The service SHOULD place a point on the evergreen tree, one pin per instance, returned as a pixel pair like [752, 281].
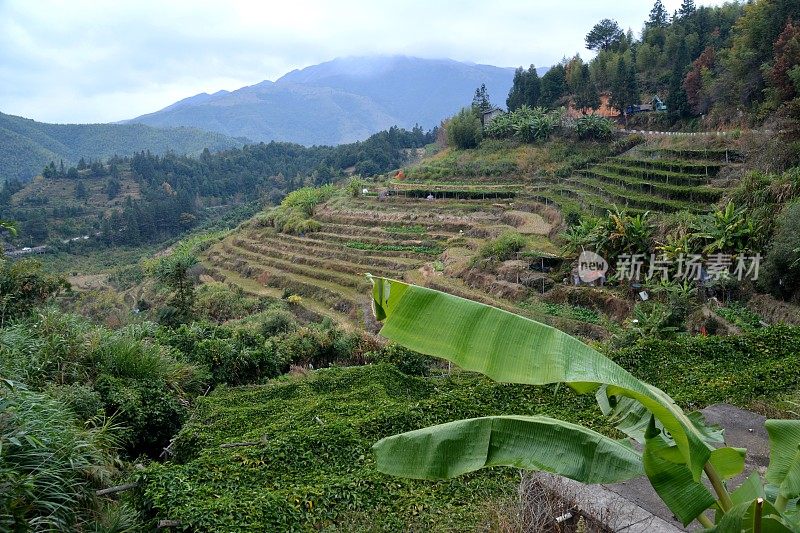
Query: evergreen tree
[481, 101]
[586, 96]
[676, 100]
[525, 89]
[80, 191]
[658, 16]
[533, 87]
[605, 35]
[687, 9]
[554, 86]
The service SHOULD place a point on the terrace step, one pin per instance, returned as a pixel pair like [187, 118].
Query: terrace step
[624, 198]
[664, 176]
[253, 287]
[341, 247]
[337, 278]
[341, 253]
[338, 297]
[327, 264]
[656, 188]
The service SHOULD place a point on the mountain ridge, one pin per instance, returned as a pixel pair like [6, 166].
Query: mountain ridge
[26, 145]
[339, 101]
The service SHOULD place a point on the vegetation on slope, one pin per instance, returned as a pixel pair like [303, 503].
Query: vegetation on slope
[28, 145]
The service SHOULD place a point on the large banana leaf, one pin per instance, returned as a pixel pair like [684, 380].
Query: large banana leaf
[784, 456]
[510, 348]
[529, 442]
[671, 479]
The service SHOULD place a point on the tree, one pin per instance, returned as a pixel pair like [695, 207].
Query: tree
[687, 9]
[676, 99]
[516, 95]
[554, 86]
[80, 191]
[586, 95]
[605, 35]
[464, 130]
[525, 89]
[174, 273]
[624, 90]
[697, 81]
[681, 455]
[785, 72]
[658, 16]
[481, 102]
[113, 188]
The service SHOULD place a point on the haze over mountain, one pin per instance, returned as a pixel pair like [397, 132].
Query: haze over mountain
[26, 146]
[339, 101]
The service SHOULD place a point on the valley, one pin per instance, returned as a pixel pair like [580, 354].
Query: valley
[353, 299]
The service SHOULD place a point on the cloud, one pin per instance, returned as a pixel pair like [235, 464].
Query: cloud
[86, 61]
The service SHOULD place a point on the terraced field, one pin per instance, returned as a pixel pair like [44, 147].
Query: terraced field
[429, 231]
[645, 179]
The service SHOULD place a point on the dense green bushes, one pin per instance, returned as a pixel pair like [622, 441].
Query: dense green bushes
[503, 247]
[761, 364]
[294, 213]
[311, 466]
[464, 130]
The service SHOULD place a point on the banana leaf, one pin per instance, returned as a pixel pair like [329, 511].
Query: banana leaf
[784, 456]
[510, 348]
[528, 442]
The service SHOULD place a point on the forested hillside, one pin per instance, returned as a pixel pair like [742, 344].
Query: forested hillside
[26, 146]
[148, 197]
[736, 64]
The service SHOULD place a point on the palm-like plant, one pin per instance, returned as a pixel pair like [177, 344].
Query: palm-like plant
[577, 237]
[679, 450]
[727, 230]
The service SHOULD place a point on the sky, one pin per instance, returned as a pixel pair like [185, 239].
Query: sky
[85, 61]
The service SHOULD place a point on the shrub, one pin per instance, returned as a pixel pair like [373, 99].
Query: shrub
[407, 361]
[23, 286]
[781, 271]
[594, 127]
[277, 322]
[219, 302]
[503, 247]
[84, 401]
[149, 413]
[464, 130]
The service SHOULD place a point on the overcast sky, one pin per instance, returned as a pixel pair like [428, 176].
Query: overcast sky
[101, 61]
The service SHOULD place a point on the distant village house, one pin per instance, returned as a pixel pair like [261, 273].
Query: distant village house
[489, 115]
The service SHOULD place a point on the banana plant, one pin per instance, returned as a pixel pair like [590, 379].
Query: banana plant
[681, 455]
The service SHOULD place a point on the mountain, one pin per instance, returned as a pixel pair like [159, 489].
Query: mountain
[26, 146]
[339, 101]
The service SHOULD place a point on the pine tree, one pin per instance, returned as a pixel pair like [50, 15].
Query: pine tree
[658, 16]
[516, 96]
[481, 101]
[554, 86]
[687, 9]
